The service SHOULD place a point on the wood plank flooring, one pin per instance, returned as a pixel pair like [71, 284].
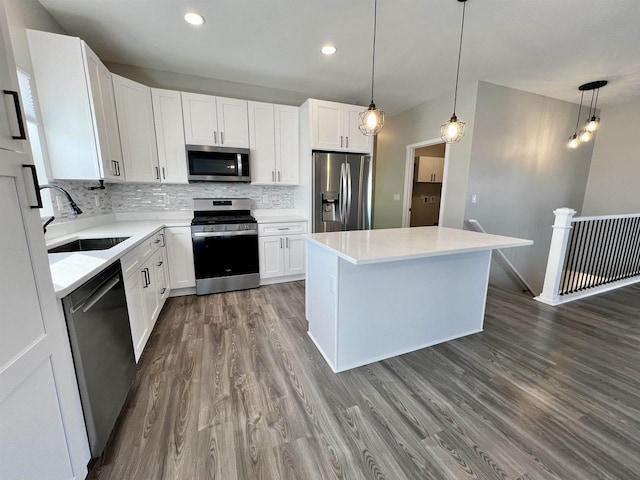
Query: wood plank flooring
[230, 387]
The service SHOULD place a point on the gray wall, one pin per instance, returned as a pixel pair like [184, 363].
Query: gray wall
[211, 86]
[420, 124]
[521, 170]
[614, 178]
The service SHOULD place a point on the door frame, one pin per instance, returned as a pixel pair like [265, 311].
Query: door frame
[408, 178]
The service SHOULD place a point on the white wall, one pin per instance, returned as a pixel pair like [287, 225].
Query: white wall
[419, 124]
[522, 170]
[614, 178]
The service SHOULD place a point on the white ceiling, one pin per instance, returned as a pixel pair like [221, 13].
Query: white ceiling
[542, 46]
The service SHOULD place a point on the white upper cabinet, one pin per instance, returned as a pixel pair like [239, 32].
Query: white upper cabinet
[287, 144]
[13, 130]
[233, 124]
[167, 116]
[135, 122]
[215, 121]
[430, 169]
[273, 141]
[76, 101]
[334, 126]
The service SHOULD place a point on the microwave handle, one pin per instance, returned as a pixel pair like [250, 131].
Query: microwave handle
[239, 162]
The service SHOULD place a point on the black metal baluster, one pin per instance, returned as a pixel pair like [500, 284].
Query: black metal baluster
[595, 252]
[634, 253]
[585, 257]
[624, 251]
[606, 247]
[567, 259]
[576, 260]
[614, 250]
[588, 270]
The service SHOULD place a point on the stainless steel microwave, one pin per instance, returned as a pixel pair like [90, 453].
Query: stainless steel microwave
[217, 164]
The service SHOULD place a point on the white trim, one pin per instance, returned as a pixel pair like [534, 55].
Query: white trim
[605, 217]
[560, 299]
[408, 178]
[286, 278]
[378, 358]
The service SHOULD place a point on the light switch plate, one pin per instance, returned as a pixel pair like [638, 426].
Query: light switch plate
[396, 197]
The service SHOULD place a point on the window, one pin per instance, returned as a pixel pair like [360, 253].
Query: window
[36, 138]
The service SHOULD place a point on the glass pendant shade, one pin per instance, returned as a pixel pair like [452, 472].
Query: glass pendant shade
[585, 135]
[593, 124]
[371, 120]
[453, 130]
[574, 141]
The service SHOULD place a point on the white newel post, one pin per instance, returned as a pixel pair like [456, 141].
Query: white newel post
[557, 250]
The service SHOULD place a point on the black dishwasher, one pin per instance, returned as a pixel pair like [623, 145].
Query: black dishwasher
[100, 336]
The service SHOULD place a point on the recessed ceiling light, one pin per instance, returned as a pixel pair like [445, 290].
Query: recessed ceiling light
[194, 18]
[328, 49]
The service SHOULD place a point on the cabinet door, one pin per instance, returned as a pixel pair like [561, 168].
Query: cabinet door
[165, 289]
[438, 169]
[200, 119]
[11, 119]
[60, 75]
[233, 122]
[180, 257]
[167, 117]
[137, 133]
[160, 284]
[140, 329]
[271, 256]
[355, 141]
[261, 143]
[150, 292]
[326, 125]
[286, 145]
[38, 390]
[294, 258]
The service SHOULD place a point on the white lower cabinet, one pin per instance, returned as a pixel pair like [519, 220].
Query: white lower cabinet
[146, 288]
[282, 253]
[180, 257]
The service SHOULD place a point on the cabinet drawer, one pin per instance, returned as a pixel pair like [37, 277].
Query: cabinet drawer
[282, 228]
[130, 263]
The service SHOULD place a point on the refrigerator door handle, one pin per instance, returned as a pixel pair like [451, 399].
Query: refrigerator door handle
[349, 193]
[343, 192]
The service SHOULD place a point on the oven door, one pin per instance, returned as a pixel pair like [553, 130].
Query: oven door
[224, 254]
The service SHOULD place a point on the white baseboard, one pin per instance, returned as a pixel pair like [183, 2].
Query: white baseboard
[289, 278]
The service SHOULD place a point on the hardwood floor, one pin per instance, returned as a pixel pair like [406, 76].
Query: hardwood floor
[230, 387]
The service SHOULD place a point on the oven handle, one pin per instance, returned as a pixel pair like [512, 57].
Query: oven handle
[224, 234]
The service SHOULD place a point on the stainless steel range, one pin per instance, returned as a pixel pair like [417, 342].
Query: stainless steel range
[225, 245]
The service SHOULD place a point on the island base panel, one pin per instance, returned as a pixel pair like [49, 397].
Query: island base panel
[387, 309]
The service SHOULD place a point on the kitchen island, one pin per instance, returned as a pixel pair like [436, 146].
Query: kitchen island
[375, 294]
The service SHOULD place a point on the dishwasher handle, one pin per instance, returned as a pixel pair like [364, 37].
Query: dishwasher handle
[97, 295]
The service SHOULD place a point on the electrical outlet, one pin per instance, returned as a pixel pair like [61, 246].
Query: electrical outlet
[59, 203]
[474, 198]
[265, 198]
[425, 199]
[396, 197]
[96, 198]
[434, 199]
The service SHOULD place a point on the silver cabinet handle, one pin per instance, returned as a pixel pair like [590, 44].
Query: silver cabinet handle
[164, 242]
[144, 278]
[163, 290]
[347, 145]
[118, 165]
[283, 228]
[22, 135]
[286, 239]
[273, 175]
[215, 137]
[164, 175]
[159, 264]
[279, 176]
[341, 141]
[280, 242]
[36, 187]
[221, 138]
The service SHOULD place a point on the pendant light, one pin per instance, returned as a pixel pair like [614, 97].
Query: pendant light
[574, 140]
[453, 130]
[371, 120]
[593, 121]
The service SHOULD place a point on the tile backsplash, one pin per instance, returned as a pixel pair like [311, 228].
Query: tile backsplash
[119, 197]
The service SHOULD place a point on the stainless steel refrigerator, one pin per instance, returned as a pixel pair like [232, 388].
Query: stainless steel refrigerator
[342, 192]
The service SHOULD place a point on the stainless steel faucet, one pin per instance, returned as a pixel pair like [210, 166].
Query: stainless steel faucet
[75, 210]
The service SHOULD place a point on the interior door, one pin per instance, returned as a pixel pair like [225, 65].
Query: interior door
[39, 402]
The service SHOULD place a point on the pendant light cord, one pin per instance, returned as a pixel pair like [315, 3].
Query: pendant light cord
[593, 93]
[373, 61]
[455, 95]
[579, 111]
[596, 104]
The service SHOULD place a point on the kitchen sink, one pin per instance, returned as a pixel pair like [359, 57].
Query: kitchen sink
[86, 244]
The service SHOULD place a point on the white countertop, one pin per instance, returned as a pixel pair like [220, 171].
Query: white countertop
[70, 270]
[378, 246]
